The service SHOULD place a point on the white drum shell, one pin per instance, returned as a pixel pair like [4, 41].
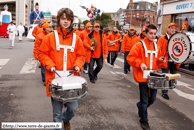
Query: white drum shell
[155, 82]
[68, 89]
[191, 57]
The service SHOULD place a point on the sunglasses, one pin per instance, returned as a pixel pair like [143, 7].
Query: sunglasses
[97, 27]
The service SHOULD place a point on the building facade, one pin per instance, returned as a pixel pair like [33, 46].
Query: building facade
[138, 14]
[20, 10]
[141, 12]
[180, 12]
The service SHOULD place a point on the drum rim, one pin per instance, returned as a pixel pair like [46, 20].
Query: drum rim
[189, 43]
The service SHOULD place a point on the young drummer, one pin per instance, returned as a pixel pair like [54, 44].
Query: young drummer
[51, 55]
[170, 65]
[140, 60]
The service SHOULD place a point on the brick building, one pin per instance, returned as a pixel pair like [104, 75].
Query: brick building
[138, 13]
[180, 12]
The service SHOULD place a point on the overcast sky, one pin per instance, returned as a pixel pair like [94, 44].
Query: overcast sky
[103, 5]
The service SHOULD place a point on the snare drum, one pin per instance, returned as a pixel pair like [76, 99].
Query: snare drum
[68, 89]
[181, 47]
[159, 81]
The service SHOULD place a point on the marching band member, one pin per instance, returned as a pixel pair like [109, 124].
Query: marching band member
[128, 41]
[51, 56]
[142, 35]
[39, 38]
[113, 41]
[81, 28]
[11, 31]
[83, 35]
[20, 29]
[140, 60]
[40, 30]
[97, 55]
[169, 65]
[36, 28]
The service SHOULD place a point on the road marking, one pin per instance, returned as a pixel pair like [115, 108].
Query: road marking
[29, 66]
[184, 85]
[112, 72]
[3, 62]
[119, 59]
[185, 95]
[115, 66]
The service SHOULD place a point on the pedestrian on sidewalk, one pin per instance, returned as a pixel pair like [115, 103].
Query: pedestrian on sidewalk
[128, 42]
[169, 65]
[95, 54]
[20, 30]
[11, 31]
[113, 45]
[53, 59]
[47, 28]
[140, 60]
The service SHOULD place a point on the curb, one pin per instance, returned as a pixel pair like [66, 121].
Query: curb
[186, 71]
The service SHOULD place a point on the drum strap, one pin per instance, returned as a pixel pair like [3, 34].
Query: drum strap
[65, 47]
[151, 52]
[167, 36]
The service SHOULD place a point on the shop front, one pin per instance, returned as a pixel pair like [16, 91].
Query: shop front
[179, 12]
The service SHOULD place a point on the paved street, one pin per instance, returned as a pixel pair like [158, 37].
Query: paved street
[109, 105]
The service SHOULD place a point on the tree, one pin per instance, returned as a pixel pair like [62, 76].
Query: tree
[85, 22]
[104, 20]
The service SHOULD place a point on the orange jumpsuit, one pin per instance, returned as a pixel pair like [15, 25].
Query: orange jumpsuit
[79, 31]
[128, 42]
[163, 43]
[49, 56]
[38, 41]
[34, 32]
[137, 56]
[97, 52]
[140, 37]
[112, 37]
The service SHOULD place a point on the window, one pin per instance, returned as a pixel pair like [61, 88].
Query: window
[153, 20]
[185, 22]
[148, 18]
[137, 6]
[148, 6]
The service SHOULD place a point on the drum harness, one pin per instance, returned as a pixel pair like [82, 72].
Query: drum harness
[65, 47]
[151, 55]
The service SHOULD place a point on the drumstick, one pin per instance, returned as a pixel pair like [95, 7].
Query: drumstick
[173, 76]
[57, 73]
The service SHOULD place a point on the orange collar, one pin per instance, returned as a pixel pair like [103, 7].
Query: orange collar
[147, 41]
[63, 32]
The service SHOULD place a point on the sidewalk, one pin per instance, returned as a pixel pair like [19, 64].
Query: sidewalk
[187, 71]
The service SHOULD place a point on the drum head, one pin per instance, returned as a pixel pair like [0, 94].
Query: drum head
[94, 43]
[179, 47]
[71, 82]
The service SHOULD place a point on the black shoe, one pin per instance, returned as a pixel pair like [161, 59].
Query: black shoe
[138, 112]
[145, 126]
[125, 72]
[95, 77]
[165, 96]
[129, 70]
[92, 81]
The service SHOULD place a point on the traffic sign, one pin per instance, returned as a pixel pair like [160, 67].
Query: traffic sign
[123, 17]
[47, 13]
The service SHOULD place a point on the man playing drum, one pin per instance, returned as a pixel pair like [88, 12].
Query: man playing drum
[52, 57]
[169, 65]
[140, 59]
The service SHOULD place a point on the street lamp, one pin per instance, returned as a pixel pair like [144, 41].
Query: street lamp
[142, 20]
